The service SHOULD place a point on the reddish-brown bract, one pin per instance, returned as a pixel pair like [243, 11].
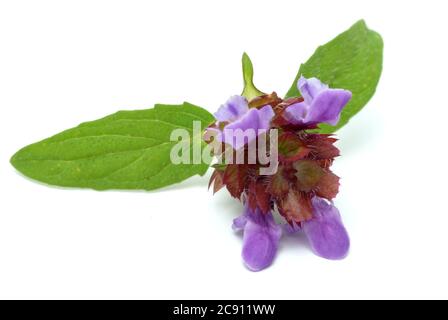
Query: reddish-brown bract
[304, 171]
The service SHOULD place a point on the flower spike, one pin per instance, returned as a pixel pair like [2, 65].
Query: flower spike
[303, 186]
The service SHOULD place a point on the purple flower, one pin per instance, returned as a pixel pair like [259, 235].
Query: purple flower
[234, 108]
[290, 190]
[260, 238]
[236, 116]
[325, 232]
[321, 104]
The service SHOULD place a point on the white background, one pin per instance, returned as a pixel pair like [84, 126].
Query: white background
[65, 62]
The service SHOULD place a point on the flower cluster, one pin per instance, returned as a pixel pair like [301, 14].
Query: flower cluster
[303, 187]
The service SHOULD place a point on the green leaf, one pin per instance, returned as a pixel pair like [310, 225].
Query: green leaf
[352, 61]
[249, 91]
[126, 150]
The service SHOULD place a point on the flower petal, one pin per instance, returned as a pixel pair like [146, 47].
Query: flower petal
[297, 112]
[321, 104]
[265, 116]
[325, 232]
[310, 88]
[260, 239]
[233, 109]
[239, 223]
[249, 126]
[327, 106]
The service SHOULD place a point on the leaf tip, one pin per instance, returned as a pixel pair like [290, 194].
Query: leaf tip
[248, 69]
[13, 160]
[250, 91]
[363, 25]
[361, 22]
